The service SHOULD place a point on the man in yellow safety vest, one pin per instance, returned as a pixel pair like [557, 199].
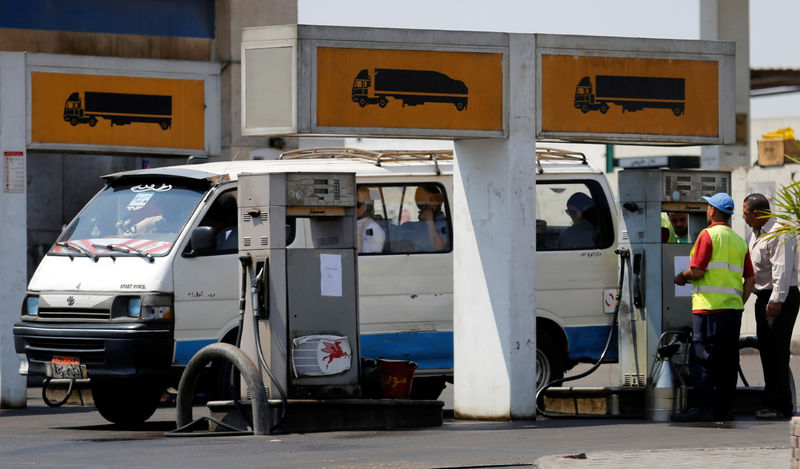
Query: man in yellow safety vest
[722, 278]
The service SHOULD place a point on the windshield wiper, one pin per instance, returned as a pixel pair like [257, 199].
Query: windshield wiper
[125, 249]
[77, 248]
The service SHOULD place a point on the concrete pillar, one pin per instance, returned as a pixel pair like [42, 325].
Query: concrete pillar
[13, 241]
[494, 258]
[728, 20]
[231, 17]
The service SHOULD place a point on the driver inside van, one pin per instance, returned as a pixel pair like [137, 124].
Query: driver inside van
[580, 235]
[370, 235]
[222, 217]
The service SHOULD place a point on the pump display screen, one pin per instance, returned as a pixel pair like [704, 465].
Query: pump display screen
[313, 190]
[692, 186]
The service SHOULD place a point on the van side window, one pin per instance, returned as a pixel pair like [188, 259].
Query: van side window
[411, 219]
[222, 216]
[572, 215]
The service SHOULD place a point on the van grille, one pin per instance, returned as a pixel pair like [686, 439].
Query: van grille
[74, 313]
[43, 349]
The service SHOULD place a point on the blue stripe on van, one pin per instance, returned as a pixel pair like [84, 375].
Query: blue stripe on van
[430, 350]
[434, 350]
[185, 350]
[181, 18]
[588, 342]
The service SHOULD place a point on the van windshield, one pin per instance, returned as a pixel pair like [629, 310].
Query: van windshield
[131, 218]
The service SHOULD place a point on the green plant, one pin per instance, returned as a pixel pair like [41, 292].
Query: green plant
[786, 208]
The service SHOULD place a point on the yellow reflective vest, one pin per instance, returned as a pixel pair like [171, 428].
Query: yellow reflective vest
[721, 285]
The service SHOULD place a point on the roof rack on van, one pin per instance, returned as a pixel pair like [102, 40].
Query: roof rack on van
[375, 156]
[556, 155]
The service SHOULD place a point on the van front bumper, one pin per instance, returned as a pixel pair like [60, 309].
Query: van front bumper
[115, 350]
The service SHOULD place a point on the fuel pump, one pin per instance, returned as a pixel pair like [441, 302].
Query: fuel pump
[305, 298]
[658, 308]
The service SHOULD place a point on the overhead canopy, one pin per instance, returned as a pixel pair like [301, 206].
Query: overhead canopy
[349, 81]
[767, 81]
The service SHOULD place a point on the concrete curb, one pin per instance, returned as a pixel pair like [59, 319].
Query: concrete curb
[672, 458]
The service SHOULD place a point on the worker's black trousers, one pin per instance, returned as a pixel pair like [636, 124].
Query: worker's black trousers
[773, 343]
[714, 361]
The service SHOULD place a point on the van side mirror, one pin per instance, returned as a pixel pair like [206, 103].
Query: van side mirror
[204, 239]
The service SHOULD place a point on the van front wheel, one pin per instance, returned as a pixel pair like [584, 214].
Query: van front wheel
[549, 361]
[126, 401]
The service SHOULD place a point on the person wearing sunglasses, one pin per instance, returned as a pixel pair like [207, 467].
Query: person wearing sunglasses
[580, 235]
[370, 234]
[435, 236]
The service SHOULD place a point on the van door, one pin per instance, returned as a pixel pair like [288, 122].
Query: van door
[207, 282]
[406, 287]
[575, 260]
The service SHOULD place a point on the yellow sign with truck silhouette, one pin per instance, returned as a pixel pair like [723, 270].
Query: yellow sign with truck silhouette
[625, 95]
[383, 88]
[117, 110]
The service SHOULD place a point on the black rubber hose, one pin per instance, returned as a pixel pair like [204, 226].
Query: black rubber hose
[245, 366]
[624, 254]
[284, 401]
[247, 264]
[47, 400]
[245, 261]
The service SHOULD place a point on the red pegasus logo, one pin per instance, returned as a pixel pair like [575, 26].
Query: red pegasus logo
[334, 351]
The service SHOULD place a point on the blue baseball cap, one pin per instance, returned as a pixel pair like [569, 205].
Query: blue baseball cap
[721, 201]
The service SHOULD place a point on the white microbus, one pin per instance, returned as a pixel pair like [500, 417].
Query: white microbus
[123, 294]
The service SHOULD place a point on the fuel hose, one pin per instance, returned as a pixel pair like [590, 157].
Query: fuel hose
[246, 260]
[624, 255]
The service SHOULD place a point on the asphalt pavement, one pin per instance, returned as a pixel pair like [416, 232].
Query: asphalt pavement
[78, 437]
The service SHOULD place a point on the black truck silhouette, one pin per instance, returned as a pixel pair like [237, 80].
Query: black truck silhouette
[413, 87]
[119, 108]
[632, 93]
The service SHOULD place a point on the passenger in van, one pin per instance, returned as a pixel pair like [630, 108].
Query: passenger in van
[371, 236]
[435, 235]
[580, 235]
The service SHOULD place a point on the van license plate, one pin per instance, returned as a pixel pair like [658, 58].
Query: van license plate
[66, 367]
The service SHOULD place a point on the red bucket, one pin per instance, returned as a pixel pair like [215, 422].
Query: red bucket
[396, 378]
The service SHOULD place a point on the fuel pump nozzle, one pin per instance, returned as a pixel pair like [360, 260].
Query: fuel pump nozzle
[256, 286]
[624, 254]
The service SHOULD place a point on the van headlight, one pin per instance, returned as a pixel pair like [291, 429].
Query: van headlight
[30, 306]
[156, 312]
[145, 307]
[134, 307]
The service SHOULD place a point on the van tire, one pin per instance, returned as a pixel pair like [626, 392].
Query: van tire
[219, 376]
[549, 360]
[427, 388]
[126, 402]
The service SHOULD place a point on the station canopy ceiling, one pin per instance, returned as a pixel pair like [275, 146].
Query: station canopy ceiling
[770, 81]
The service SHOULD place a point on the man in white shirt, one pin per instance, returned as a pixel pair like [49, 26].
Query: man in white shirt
[777, 301]
[370, 235]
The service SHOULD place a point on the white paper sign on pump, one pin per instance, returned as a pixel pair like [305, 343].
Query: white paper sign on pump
[330, 270]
